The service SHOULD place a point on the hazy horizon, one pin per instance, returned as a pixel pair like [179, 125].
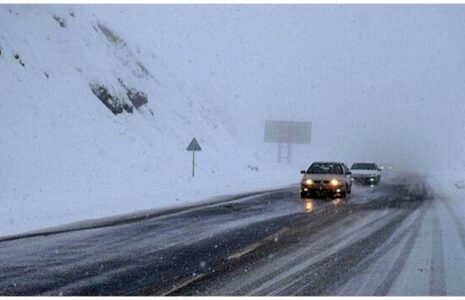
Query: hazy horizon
[380, 82]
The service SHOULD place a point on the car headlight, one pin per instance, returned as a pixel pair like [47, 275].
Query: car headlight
[308, 182]
[334, 182]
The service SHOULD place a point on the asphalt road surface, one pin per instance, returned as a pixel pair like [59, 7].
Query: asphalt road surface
[271, 243]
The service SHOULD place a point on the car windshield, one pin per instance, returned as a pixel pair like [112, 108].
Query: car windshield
[325, 168]
[364, 166]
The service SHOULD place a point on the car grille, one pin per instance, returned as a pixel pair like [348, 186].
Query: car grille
[320, 181]
[362, 176]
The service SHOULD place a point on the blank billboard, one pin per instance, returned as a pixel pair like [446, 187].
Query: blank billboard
[288, 132]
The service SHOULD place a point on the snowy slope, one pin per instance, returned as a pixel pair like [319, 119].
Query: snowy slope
[66, 157]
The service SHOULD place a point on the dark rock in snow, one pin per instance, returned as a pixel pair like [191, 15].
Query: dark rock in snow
[60, 20]
[460, 184]
[253, 168]
[143, 68]
[114, 104]
[110, 35]
[137, 98]
[128, 108]
[16, 56]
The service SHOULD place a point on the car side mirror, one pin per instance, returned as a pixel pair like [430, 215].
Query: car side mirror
[303, 172]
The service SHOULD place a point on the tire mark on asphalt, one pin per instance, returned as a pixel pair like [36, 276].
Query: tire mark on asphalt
[319, 221]
[342, 262]
[298, 260]
[381, 251]
[351, 256]
[437, 283]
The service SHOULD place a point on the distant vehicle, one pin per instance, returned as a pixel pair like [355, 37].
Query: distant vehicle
[386, 168]
[366, 173]
[326, 178]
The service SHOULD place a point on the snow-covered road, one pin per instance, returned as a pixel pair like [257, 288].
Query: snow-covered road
[403, 237]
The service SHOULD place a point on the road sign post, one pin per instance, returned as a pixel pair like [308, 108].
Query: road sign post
[193, 146]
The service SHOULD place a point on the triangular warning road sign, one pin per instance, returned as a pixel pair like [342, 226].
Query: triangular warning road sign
[194, 146]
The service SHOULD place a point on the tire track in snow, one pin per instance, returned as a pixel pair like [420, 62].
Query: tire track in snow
[310, 282]
[318, 276]
[398, 266]
[456, 220]
[265, 281]
[340, 264]
[437, 283]
[382, 250]
[322, 220]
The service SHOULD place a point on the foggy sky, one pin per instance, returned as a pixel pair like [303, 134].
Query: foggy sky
[379, 82]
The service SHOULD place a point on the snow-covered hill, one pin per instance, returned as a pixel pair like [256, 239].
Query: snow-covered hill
[91, 126]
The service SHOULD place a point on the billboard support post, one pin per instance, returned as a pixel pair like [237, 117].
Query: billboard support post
[287, 133]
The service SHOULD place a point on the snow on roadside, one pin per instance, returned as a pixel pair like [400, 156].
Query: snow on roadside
[20, 216]
[437, 258]
[65, 157]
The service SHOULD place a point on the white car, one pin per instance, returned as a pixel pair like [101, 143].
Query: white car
[366, 173]
[326, 178]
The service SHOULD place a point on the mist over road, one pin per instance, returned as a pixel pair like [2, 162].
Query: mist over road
[272, 243]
